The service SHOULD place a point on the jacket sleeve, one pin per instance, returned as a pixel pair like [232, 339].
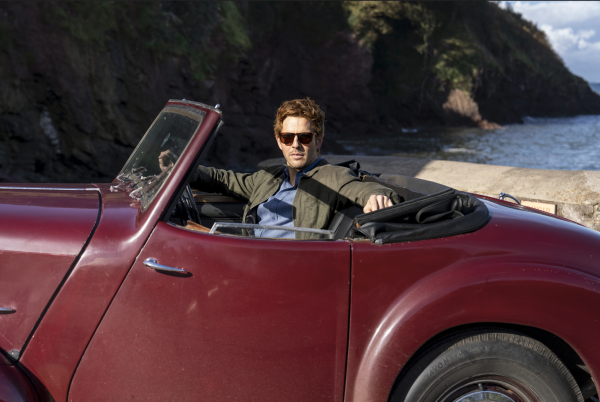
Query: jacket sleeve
[212, 180]
[358, 192]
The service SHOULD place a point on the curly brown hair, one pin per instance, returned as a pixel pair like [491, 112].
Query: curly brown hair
[306, 108]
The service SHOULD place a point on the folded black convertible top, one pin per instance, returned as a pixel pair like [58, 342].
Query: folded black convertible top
[448, 214]
[429, 210]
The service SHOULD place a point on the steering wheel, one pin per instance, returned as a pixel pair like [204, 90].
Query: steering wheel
[187, 203]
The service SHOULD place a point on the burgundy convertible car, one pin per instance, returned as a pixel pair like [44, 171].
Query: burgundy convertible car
[145, 289]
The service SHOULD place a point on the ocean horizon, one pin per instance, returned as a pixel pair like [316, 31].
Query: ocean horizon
[562, 143]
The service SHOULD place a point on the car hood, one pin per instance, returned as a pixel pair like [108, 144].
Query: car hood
[43, 229]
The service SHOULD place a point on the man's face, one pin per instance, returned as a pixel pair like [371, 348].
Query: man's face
[298, 155]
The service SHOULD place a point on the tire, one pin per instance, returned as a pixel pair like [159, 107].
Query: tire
[488, 366]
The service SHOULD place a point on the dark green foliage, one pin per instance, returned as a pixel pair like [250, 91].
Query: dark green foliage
[87, 21]
[311, 22]
[234, 25]
[5, 38]
[419, 48]
[431, 46]
[182, 29]
[178, 28]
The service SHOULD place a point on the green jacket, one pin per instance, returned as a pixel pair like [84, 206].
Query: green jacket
[321, 192]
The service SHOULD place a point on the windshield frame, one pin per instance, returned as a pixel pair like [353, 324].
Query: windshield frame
[195, 114]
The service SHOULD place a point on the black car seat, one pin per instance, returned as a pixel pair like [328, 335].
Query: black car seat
[342, 221]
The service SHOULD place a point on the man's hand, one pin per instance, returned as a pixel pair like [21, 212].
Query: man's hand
[164, 160]
[377, 202]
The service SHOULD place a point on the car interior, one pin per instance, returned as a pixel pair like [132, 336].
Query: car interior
[428, 210]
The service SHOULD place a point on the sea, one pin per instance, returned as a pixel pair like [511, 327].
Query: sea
[565, 143]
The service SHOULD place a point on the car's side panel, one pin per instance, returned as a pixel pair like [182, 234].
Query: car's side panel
[54, 351]
[256, 320]
[514, 270]
[43, 231]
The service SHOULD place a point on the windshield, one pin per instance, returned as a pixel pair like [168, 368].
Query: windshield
[157, 154]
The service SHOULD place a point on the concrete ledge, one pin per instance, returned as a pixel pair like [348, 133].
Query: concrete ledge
[575, 193]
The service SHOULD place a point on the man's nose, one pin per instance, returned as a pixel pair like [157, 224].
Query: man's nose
[296, 143]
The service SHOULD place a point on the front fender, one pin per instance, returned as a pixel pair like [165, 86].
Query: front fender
[557, 299]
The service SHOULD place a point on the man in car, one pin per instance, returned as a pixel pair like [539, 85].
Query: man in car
[305, 193]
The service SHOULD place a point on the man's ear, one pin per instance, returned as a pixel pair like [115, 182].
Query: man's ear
[279, 143]
[319, 142]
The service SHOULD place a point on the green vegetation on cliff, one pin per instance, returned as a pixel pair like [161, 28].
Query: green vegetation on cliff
[80, 82]
[183, 29]
[419, 48]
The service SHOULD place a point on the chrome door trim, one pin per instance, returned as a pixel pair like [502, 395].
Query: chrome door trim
[50, 188]
[216, 225]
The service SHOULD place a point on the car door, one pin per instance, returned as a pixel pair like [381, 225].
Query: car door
[251, 319]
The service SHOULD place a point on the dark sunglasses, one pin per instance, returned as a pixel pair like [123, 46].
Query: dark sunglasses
[303, 138]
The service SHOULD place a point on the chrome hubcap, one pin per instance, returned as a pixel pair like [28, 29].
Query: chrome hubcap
[484, 396]
[488, 389]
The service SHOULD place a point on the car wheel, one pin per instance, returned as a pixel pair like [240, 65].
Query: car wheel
[490, 366]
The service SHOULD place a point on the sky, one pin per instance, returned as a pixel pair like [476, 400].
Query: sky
[573, 28]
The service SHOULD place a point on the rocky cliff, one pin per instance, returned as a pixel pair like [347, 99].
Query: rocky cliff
[80, 82]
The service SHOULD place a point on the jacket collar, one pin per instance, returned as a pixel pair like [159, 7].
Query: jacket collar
[277, 176]
[319, 165]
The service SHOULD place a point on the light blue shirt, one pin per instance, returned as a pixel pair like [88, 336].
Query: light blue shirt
[277, 210]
